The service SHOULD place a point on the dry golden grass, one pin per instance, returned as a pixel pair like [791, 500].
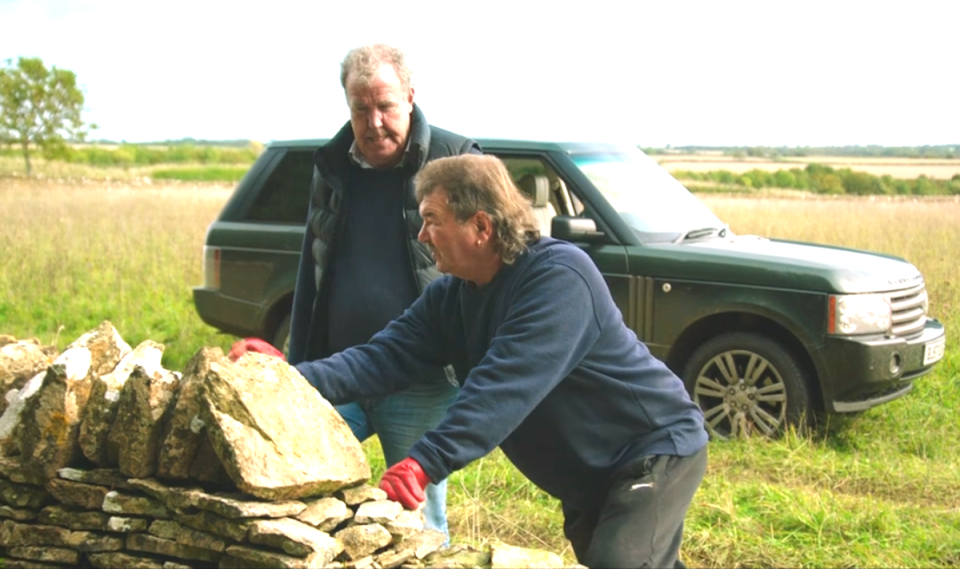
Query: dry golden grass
[79, 252]
[903, 168]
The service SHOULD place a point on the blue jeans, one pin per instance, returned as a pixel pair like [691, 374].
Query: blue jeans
[400, 420]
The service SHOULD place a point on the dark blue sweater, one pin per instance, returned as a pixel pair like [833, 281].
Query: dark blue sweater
[552, 376]
[373, 282]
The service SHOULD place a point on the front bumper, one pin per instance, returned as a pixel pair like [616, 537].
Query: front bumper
[867, 371]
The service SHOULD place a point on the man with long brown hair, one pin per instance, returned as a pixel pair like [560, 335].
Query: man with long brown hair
[548, 371]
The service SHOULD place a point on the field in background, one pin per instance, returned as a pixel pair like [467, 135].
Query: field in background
[126, 251]
[881, 489]
[904, 168]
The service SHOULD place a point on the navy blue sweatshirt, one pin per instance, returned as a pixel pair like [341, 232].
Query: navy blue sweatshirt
[550, 374]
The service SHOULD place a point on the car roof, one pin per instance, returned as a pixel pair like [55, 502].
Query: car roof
[491, 144]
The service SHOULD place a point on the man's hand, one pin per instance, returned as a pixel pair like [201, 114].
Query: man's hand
[404, 482]
[245, 345]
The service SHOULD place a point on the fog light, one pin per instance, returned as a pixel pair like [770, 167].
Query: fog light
[895, 363]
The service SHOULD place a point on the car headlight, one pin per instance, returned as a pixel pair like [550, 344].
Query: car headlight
[859, 314]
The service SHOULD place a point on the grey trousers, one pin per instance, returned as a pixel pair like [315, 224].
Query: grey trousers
[640, 523]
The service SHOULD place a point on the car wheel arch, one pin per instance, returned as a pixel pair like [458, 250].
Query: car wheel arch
[710, 327]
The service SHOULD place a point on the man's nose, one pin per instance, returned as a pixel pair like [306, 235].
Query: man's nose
[376, 118]
[422, 236]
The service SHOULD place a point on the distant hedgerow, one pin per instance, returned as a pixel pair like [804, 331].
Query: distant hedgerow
[823, 179]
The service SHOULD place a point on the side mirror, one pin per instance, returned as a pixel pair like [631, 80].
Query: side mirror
[575, 229]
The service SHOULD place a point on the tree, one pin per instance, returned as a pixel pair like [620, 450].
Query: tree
[39, 106]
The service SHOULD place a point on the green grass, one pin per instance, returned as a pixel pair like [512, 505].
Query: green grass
[880, 489]
[74, 256]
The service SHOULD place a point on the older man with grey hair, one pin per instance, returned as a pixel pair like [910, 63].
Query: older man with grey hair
[361, 265]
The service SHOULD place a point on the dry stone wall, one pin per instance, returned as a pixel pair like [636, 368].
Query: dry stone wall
[109, 460]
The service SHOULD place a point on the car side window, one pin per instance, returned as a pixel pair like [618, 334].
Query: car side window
[285, 195]
[561, 200]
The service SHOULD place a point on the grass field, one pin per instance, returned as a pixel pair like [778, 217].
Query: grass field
[904, 168]
[881, 489]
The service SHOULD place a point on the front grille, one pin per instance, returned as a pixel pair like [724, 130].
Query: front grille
[909, 310]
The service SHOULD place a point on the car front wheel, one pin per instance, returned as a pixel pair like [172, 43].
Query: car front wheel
[746, 384]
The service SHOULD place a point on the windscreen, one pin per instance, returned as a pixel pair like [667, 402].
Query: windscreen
[646, 196]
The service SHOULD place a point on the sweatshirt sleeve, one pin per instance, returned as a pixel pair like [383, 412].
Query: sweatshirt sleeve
[408, 349]
[550, 325]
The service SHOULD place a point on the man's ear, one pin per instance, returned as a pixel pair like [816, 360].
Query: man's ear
[483, 224]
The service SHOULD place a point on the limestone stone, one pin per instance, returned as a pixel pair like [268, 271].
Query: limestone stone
[166, 529]
[362, 563]
[87, 496]
[390, 558]
[378, 512]
[119, 560]
[14, 534]
[503, 556]
[46, 554]
[120, 524]
[12, 417]
[356, 495]
[294, 538]
[150, 544]
[173, 497]
[93, 541]
[18, 514]
[175, 565]
[47, 436]
[106, 347]
[13, 563]
[235, 505]
[184, 431]
[325, 514]
[362, 540]
[50, 422]
[19, 361]
[144, 401]
[107, 477]
[231, 505]
[423, 543]
[212, 523]
[244, 557]
[118, 503]
[59, 515]
[407, 523]
[263, 420]
[206, 465]
[458, 557]
[101, 409]
[200, 539]
[23, 495]
[12, 470]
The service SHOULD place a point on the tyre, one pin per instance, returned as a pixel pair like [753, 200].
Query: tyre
[747, 384]
[281, 338]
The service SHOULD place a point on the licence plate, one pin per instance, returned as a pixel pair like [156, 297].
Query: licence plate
[934, 352]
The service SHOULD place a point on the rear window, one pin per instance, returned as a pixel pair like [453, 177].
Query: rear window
[286, 194]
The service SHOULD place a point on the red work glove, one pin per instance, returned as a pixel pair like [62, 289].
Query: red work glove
[404, 482]
[245, 345]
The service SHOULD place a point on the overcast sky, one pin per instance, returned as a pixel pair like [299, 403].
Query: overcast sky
[718, 73]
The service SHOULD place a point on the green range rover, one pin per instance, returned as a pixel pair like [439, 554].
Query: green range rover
[765, 333]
